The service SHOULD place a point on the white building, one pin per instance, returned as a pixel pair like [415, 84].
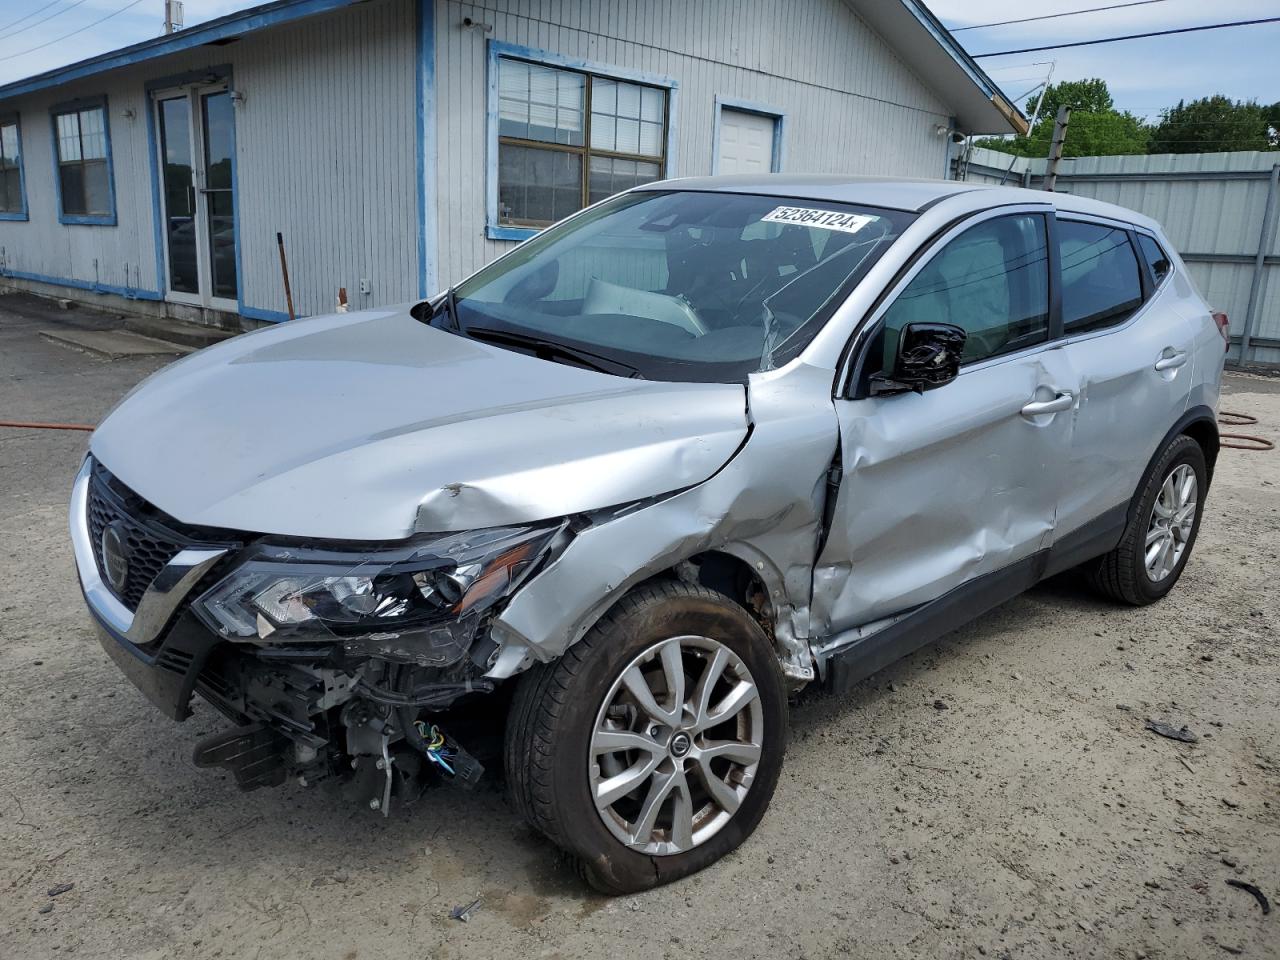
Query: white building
[397, 145]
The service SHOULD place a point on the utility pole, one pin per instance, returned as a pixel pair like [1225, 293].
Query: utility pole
[1035, 116]
[1055, 147]
[172, 16]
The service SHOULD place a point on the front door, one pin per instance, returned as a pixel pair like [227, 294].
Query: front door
[196, 142]
[949, 485]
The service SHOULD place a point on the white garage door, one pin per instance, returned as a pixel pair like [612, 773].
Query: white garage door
[746, 142]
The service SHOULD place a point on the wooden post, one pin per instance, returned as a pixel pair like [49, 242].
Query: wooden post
[284, 269]
[1055, 147]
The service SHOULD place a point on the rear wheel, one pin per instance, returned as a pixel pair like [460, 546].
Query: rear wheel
[1157, 543]
[653, 746]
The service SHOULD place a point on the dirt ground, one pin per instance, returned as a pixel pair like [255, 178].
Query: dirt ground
[995, 795]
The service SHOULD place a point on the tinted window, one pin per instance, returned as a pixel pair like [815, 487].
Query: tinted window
[992, 280]
[1156, 258]
[682, 285]
[1101, 285]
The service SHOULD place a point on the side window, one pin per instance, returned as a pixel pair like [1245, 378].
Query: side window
[84, 169]
[1101, 285]
[567, 139]
[1159, 262]
[992, 280]
[11, 198]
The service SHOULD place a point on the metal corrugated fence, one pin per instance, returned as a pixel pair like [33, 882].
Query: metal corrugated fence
[1220, 210]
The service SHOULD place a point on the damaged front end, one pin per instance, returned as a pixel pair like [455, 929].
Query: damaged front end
[333, 660]
[341, 653]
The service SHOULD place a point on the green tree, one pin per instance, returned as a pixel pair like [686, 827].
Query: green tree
[1217, 123]
[1082, 96]
[1096, 127]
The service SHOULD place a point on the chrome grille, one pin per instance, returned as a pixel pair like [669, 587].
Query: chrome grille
[149, 543]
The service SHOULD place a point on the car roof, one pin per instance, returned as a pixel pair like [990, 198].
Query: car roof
[893, 193]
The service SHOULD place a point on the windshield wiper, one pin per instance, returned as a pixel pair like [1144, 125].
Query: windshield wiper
[449, 303]
[551, 350]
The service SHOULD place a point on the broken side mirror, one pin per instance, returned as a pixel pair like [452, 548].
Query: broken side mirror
[928, 357]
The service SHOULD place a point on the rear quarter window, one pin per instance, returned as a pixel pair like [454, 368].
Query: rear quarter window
[1101, 280]
[1159, 262]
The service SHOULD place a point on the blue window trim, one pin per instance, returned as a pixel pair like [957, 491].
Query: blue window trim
[129, 293]
[71, 106]
[24, 213]
[777, 115]
[497, 50]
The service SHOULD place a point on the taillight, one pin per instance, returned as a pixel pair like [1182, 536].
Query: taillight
[1220, 319]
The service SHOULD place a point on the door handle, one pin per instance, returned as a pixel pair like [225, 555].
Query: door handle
[1172, 362]
[1036, 408]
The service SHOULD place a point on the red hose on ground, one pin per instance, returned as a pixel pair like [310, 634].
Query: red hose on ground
[20, 425]
[1241, 441]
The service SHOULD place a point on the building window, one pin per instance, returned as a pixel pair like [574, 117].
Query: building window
[569, 137]
[13, 203]
[84, 164]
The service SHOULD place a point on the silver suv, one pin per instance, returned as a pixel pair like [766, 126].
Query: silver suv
[697, 446]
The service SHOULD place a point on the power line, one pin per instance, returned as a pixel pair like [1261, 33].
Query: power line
[14, 23]
[32, 26]
[1052, 16]
[1131, 36]
[87, 26]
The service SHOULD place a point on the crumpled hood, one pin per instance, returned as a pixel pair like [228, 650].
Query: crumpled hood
[373, 426]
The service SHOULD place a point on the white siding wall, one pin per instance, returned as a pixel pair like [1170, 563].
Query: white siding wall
[120, 256]
[325, 151]
[852, 105]
[326, 140]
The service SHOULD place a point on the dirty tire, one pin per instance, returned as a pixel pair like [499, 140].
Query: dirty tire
[1121, 575]
[553, 717]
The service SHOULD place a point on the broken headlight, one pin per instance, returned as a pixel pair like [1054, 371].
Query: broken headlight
[419, 603]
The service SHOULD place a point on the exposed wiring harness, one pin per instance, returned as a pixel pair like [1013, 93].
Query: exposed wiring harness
[438, 695]
[428, 739]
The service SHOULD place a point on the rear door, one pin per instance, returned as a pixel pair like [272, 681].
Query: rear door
[940, 488]
[1122, 330]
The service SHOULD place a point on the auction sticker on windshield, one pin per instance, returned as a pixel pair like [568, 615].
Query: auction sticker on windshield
[825, 219]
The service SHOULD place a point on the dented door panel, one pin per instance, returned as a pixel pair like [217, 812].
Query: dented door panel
[1126, 406]
[942, 487]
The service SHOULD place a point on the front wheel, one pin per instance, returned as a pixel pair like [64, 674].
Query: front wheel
[653, 746]
[1162, 530]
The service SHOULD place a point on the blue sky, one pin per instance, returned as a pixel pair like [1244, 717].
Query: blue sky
[1144, 75]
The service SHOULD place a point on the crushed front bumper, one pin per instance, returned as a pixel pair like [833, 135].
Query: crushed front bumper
[167, 672]
[295, 707]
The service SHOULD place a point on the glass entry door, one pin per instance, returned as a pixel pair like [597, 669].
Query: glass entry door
[196, 128]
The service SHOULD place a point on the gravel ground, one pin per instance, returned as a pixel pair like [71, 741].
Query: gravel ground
[994, 795]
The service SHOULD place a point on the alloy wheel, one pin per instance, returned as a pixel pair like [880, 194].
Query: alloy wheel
[676, 745]
[1173, 517]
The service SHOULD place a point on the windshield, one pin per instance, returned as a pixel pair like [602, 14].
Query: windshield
[678, 285]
